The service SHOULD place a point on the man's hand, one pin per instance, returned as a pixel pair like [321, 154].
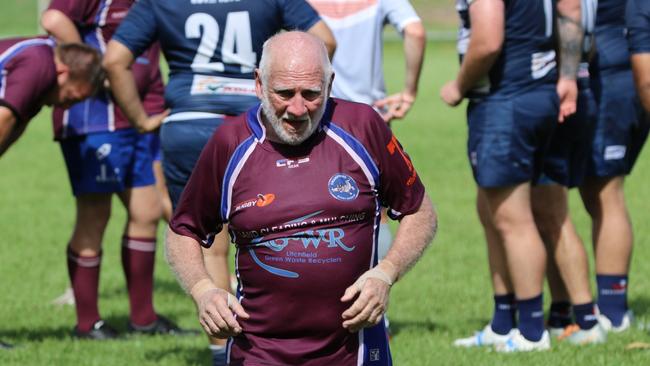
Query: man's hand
[215, 308]
[372, 289]
[450, 93]
[567, 91]
[152, 123]
[396, 106]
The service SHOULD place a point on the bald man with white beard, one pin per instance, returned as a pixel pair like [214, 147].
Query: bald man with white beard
[300, 180]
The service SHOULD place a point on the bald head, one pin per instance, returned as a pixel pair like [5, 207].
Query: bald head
[297, 51]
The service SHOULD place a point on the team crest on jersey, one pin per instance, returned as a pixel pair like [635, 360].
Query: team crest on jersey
[343, 187]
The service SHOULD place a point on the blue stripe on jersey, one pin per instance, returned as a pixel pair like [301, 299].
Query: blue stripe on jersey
[237, 160]
[359, 149]
[374, 341]
[21, 46]
[100, 9]
[254, 124]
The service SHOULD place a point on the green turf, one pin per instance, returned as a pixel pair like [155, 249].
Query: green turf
[447, 295]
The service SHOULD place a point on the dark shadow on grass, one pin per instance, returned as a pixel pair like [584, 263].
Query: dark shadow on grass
[420, 326]
[640, 305]
[160, 286]
[189, 355]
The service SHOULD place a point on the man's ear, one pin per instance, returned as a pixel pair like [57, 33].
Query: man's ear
[62, 72]
[258, 84]
[329, 87]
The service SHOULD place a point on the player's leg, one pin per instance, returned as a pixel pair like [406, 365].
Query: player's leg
[161, 187]
[620, 134]
[505, 309]
[93, 169]
[612, 240]
[144, 209]
[550, 206]
[525, 253]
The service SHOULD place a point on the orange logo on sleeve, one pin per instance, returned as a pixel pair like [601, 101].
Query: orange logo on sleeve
[394, 146]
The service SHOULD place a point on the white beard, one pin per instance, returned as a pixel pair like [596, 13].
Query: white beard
[309, 124]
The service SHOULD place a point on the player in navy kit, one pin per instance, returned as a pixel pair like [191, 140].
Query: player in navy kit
[620, 134]
[36, 72]
[105, 155]
[508, 72]
[309, 227]
[565, 164]
[212, 50]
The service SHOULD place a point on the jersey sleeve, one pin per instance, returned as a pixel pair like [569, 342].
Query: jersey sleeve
[138, 30]
[400, 188]
[298, 14]
[638, 26]
[399, 13]
[198, 213]
[81, 12]
[30, 76]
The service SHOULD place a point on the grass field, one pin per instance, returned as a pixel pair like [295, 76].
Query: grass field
[447, 295]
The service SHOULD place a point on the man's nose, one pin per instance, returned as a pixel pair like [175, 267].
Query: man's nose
[297, 106]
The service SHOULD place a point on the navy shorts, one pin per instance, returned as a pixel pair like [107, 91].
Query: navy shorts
[567, 157]
[508, 137]
[182, 142]
[108, 162]
[621, 129]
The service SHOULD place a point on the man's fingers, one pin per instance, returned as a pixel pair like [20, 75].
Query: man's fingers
[357, 307]
[238, 309]
[350, 293]
[208, 324]
[358, 321]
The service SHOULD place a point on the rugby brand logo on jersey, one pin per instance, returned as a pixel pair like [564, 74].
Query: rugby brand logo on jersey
[290, 163]
[260, 201]
[343, 187]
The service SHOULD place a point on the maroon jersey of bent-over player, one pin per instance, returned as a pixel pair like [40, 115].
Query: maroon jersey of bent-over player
[305, 222]
[96, 21]
[27, 74]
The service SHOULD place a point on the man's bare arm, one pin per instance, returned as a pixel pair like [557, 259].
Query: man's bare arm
[322, 31]
[570, 35]
[8, 133]
[397, 105]
[59, 26]
[215, 306]
[117, 62]
[641, 69]
[415, 233]
[486, 41]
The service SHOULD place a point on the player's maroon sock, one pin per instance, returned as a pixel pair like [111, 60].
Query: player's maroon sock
[138, 258]
[84, 277]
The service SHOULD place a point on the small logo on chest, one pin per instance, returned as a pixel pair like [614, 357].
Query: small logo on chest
[291, 163]
[260, 201]
[343, 187]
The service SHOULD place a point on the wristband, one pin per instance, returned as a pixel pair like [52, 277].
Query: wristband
[201, 287]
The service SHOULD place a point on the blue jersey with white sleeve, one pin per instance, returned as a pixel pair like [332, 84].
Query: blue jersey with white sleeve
[527, 58]
[637, 17]
[212, 46]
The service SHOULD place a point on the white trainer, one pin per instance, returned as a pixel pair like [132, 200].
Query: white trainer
[517, 343]
[484, 337]
[573, 334]
[626, 323]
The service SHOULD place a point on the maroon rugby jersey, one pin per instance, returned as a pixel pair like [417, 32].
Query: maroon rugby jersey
[27, 74]
[305, 222]
[97, 21]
